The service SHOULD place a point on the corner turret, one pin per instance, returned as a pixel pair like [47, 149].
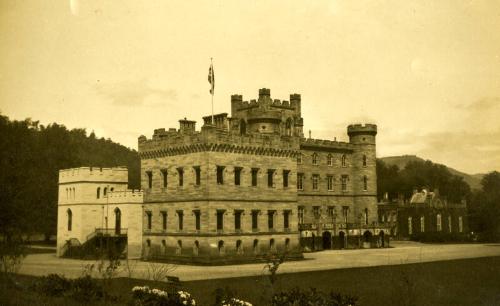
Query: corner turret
[362, 134]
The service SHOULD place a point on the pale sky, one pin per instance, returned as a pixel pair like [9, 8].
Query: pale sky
[426, 72]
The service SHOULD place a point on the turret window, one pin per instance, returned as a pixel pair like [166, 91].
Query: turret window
[164, 175]
[197, 172]
[220, 175]
[285, 178]
[364, 160]
[237, 176]
[149, 220]
[70, 219]
[180, 172]
[98, 195]
[150, 179]
[365, 183]
[270, 178]
[255, 171]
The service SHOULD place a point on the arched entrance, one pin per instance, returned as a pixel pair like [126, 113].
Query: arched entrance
[367, 237]
[381, 236]
[313, 246]
[342, 240]
[327, 240]
[118, 221]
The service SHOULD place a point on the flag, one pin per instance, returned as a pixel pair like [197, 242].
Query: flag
[211, 78]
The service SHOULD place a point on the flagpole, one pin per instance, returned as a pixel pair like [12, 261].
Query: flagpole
[211, 65]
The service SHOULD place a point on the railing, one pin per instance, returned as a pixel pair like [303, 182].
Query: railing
[110, 232]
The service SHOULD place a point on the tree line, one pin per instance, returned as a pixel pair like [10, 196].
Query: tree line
[31, 156]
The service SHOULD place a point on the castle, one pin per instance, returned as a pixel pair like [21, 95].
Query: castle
[242, 187]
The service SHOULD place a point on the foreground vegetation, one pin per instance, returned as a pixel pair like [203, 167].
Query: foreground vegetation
[457, 282]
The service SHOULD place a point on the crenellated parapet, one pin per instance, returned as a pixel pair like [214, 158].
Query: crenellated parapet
[125, 196]
[93, 174]
[367, 129]
[213, 139]
[326, 145]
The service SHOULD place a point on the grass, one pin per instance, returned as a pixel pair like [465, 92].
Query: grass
[456, 282]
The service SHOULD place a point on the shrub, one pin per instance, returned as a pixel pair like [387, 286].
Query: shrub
[52, 285]
[84, 288]
[312, 297]
[144, 296]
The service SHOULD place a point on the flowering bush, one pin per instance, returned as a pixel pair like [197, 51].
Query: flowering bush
[144, 296]
[235, 302]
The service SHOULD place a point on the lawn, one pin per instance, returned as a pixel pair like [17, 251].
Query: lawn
[457, 282]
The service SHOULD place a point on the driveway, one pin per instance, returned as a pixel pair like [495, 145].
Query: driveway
[400, 253]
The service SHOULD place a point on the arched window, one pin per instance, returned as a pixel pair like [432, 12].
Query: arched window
[112, 189]
[73, 193]
[329, 160]
[239, 247]
[105, 192]
[196, 248]
[243, 127]
[410, 226]
[343, 160]
[366, 216]
[287, 244]
[449, 223]
[256, 246]
[438, 222]
[163, 247]
[315, 159]
[364, 160]
[221, 247]
[67, 192]
[422, 224]
[365, 183]
[272, 245]
[289, 127]
[70, 219]
[98, 192]
[460, 224]
[118, 221]
[178, 250]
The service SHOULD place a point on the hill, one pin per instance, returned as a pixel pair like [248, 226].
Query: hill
[474, 180]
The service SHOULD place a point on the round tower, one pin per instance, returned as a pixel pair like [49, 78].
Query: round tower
[364, 171]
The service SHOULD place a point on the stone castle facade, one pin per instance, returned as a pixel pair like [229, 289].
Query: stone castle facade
[250, 184]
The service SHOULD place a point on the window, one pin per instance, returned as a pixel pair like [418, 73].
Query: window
[285, 178]
[331, 212]
[300, 214]
[98, 192]
[329, 160]
[270, 219]
[237, 175]
[345, 212]
[299, 158]
[270, 176]
[364, 160]
[300, 181]
[220, 246]
[449, 224]
[237, 219]
[196, 248]
[220, 220]
[286, 219]
[438, 223]
[256, 246]
[255, 220]
[150, 179]
[460, 224]
[164, 247]
[149, 217]
[254, 176]
[105, 192]
[243, 127]
[220, 175]
[164, 175]
[272, 245]
[180, 172]
[70, 219]
[197, 216]
[366, 216]
[111, 190]
[178, 250]
[239, 247]
[164, 220]
[329, 183]
[365, 183]
[315, 159]
[344, 182]
[287, 244]
[422, 224]
[343, 160]
[410, 226]
[316, 212]
[197, 172]
[180, 220]
[315, 179]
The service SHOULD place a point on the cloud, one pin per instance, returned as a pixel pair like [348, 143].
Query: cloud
[484, 104]
[134, 93]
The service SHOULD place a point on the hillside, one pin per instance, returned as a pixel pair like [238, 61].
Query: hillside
[474, 180]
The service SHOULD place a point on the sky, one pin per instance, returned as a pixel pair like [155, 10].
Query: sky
[426, 72]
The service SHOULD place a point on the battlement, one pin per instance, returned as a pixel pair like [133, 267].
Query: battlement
[237, 103]
[210, 137]
[126, 196]
[359, 129]
[310, 143]
[94, 174]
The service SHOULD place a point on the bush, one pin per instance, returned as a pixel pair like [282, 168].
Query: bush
[312, 297]
[52, 285]
[143, 296]
[84, 288]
